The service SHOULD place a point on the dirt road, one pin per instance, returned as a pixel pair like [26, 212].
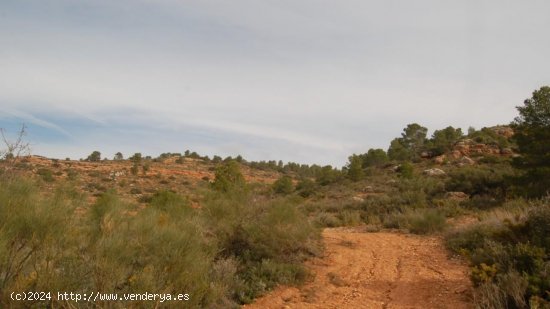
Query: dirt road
[378, 270]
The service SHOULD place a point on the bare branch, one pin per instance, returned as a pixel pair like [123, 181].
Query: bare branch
[14, 149]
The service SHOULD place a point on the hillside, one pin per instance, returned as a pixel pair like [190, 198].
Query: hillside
[434, 222]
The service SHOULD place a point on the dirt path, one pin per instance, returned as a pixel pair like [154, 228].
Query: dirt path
[378, 270]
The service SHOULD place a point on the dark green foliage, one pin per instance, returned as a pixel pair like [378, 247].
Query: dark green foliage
[406, 170]
[306, 187]
[489, 137]
[94, 156]
[136, 158]
[410, 144]
[398, 151]
[374, 157]
[283, 185]
[355, 168]
[327, 175]
[118, 156]
[443, 140]
[532, 135]
[480, 180]
[228, 177]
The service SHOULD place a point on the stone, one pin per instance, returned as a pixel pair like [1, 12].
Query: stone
[456, 196]
[434, 172]
[440, 159]
[467, 160]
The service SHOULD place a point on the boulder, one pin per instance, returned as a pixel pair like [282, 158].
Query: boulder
[368, 189]
[467, 160]
[440, 159]
[457, 196]
[506, 152]
[434, 172]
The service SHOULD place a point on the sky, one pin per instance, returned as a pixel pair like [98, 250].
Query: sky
[309, 81]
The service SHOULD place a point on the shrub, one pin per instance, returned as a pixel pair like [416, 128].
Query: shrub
[324, 219]
[510, 262]
[405, 170]
[46, 174]
[228, 177]
[427, 221]
[480, 180]
[305, 187]
[421, 221]
[283, 185]
[269, 239]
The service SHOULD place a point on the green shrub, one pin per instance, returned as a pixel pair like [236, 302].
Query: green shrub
[228, 177]
[46, 174]
[406, 170]
[306, 187]
[270, 240]
[510, 262]
[480, 180]
[283, 185]
[421, 221]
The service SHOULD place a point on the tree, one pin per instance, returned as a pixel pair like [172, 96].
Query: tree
[414, 136]
[136, 158]
[443, 140]
[327, 175]
[410, 144]
[398, 151]
[228, 177]
[532, 135]
[374, 157]
[118, 156]
[355, 168]
[94, 156]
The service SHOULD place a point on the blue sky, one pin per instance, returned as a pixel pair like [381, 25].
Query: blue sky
[306, 81]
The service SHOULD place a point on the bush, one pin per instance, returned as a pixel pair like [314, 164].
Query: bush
[480, 180]
[510, 262]
[405, 170]
[228, 177]
[270, 240]
[427, 221]
[46, 174]
[283, 185]
[421, 221]
[306, 187]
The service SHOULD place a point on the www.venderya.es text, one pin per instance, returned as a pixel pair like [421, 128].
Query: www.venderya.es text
[96, 296]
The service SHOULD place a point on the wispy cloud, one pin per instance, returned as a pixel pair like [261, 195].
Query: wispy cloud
[313, 80]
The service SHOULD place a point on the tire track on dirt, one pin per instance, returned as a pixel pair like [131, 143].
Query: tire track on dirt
[378, 270]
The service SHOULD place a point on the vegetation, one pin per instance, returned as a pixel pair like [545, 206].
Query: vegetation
[94, 156]
[226, 241]
[532, 135]
[283, 185]
[509, 256]
[228, 177]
